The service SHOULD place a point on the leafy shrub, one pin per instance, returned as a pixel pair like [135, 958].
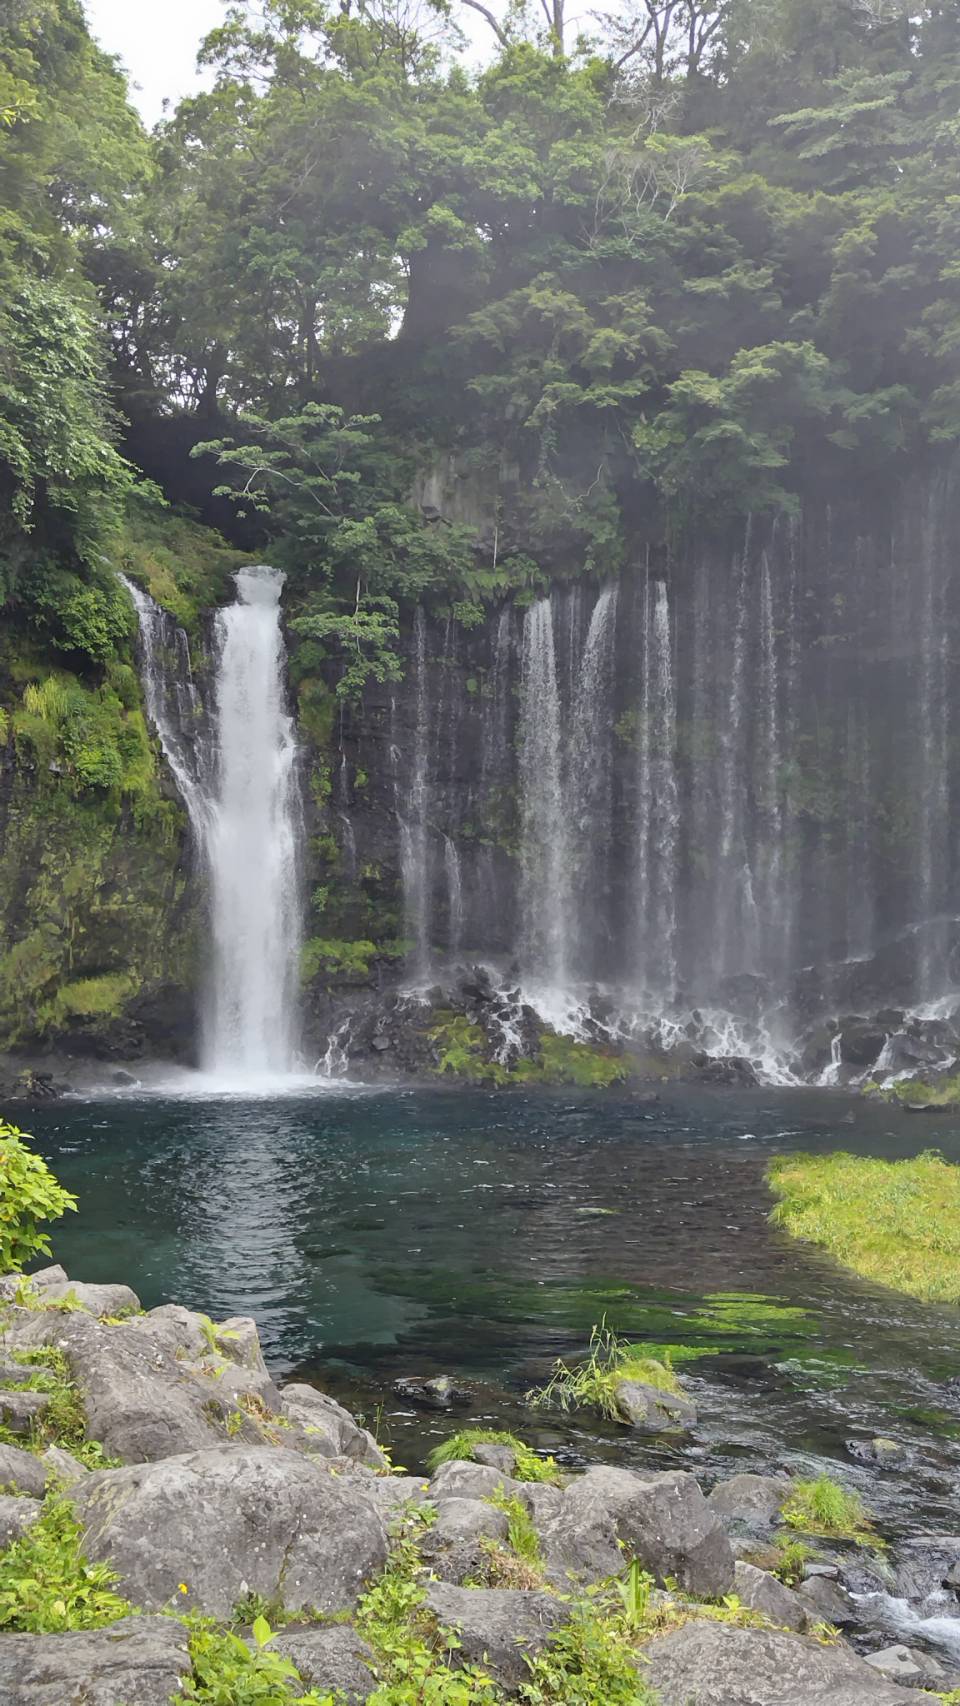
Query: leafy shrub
[226, 1672]
[589, 1660]
[29, 1195]
[460, 1448]
[47, 1585]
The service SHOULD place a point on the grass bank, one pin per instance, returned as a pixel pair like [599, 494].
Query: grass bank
[896, 1222]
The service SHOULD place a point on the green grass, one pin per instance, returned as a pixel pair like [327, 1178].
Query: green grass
[894, 1222]
[460, 1447]
[64, 1422]
[594, 1381]
[822, 1507]
[941, 1093]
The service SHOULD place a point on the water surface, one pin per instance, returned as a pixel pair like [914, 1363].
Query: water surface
[376, 1235]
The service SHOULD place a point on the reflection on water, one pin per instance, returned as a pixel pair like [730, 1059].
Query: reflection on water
[379, 1235]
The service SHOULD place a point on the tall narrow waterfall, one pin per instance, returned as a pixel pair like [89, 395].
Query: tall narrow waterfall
[413, 812]
[237, 775]
[545, 827]
[658, 807]
[250, 1023]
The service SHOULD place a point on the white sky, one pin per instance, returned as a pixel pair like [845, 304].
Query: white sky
[157, 42]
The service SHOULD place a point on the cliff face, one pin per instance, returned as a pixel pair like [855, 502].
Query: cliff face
[721, 786]
[708, 805]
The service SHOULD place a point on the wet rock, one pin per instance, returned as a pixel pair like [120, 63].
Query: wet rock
[716, 1664]
[437, 1393]
[827, 1602]
[21, 1472]
[762, 1592]
[924, 1564]
[749, 1503]
[498, 1628]
[16, 1516]
[123, 1079]
[733, 1069]
[878, 1451]
[649, 1410]
[140, 1661]
[332, 1659]
[227, 1522]
[663, 1520]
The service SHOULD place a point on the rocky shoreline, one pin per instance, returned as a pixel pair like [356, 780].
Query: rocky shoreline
[212, 1491]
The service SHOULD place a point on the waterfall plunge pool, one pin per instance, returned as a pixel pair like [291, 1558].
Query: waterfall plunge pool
[380, 1235]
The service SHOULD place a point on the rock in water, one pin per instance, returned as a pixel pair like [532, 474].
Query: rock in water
[141, 1661]
[649, 1410]
[228, 1522]
[716, 1664]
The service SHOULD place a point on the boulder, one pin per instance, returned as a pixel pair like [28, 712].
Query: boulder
[96, 1299]
[650, 1411]
[227, 1522]
[332, 1659]
[878, 1451]
[717, 1664]
[898, 1665]
[19, 1410]
[470, 1481]
[749, 1504]
[453, 1548]
[16, 1516]
[662, 1520]
[498, 1628]
[61, 1466]
[437, 1393]
[323, 1419]
[499, 1457]
[140, 1661]
[141, 1401]
[21, 1472]
[759, 1591]
[826, 1602]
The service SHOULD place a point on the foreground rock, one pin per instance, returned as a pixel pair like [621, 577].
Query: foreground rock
[663, 1520]
[331, 1659]
[140, 1661]
[498, 1628]
[715, 1664]
[229, 1522]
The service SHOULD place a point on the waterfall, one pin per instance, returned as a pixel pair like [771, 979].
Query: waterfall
[250, 1022]
[413, 816]
[590, 779]
[238, 780]
[545, 899]
[773, 900]
[735, 907]
[454, 880]
[658, 811]
[932, 729]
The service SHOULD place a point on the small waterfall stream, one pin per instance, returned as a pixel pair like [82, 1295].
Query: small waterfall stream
[236, 771]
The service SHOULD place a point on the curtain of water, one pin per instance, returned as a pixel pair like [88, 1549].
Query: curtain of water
[545, 855]
[238, 778]
[414, 815]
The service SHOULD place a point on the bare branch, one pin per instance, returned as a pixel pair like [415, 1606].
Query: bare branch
[497, 29]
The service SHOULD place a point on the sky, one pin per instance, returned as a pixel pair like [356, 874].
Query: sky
[157, 42]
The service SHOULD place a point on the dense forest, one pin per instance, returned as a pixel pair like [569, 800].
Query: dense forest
[628, 280]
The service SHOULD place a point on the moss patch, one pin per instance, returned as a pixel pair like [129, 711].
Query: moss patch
[184, 566]
[894, 1222]
[460, 1448]
[918, 1093]
[462, 1050]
